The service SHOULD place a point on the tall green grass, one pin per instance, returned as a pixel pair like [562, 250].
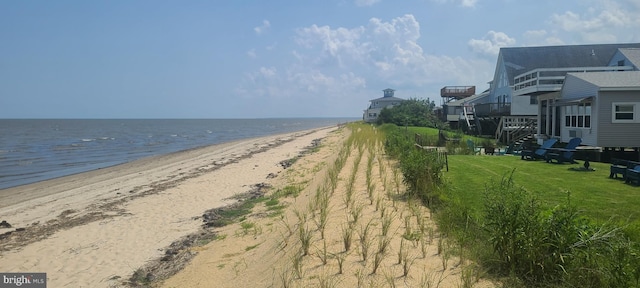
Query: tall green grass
[538, 225]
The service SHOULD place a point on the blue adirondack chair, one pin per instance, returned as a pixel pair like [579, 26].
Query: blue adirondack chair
[562, 155]
[540, 152]
[633, 175]
[473, 147]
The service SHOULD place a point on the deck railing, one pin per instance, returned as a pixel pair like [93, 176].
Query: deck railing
[551, 79]
[458, 91]
[492, 109]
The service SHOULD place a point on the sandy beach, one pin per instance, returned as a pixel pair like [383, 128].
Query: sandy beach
[95, 229]
[141, 224]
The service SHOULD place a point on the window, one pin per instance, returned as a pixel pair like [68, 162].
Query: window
[533, 100]
[578, 116]
[624, 113]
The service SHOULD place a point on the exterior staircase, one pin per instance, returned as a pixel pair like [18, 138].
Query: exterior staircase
[516, 129]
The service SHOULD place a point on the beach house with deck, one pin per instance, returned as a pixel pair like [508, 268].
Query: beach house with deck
[371, 114]
[527, 79]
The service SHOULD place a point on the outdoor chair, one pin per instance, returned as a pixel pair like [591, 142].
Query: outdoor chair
[620, 166]
[539, 153]
[562, 155]
[514, 149]
[472, 146]
[633, 175]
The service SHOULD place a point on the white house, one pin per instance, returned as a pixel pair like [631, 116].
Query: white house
[602, 108]
[524, 76]
[388, 100]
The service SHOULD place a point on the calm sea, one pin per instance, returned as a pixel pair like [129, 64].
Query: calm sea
[36, 150]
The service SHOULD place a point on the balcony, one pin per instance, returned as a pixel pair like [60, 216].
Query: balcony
[457, 92]
[492, 109]
[544, 80]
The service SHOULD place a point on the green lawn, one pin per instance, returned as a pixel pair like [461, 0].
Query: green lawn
[593, 193]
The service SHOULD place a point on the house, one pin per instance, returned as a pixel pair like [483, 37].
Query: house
[626, 57]
[549, 107]
[458, 112]
[602, 108]
[386, 101]
[525, 75]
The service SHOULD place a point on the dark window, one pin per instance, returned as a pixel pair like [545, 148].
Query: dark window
[624, 112]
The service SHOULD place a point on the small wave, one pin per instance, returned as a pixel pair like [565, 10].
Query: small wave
[88, 139]
[63, 147]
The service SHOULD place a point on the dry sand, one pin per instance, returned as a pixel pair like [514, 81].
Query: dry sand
[266, 251]
[95, 229]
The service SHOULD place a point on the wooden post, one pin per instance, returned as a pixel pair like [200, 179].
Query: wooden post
[446, 160]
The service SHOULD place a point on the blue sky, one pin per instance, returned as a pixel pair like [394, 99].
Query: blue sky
[263, 59]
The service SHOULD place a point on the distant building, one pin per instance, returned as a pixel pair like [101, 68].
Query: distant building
[388, 100]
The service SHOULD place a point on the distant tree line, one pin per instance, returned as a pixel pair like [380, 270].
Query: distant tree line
[411, 112]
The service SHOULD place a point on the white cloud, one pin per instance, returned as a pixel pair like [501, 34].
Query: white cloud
[602, 22]
[362, 3]
[268, 72]
[535, 33]
[462, 3]
[252, 53]
[339, 64]
[491, 43]
[469, 3]
[261, 29]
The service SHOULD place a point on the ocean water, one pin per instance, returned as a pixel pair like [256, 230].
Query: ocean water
[37, 150]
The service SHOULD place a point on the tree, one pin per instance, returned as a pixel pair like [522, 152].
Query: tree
[411, 112]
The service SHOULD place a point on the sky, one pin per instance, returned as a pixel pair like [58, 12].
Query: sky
[271, 59]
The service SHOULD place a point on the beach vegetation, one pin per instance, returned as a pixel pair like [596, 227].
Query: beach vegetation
[248, 228]
[249, 248]
[340, 257]
[564, 231]
[347, 236]
[411, 112]
[389, 277]
[271, 202]
[288, 191]
[305, 236]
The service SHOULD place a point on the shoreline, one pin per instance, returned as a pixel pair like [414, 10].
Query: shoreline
[93, 220]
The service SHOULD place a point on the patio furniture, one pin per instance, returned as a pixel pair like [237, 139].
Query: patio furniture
[538, 153]
[472, 146]
[633, 175]
[563, 155]
[620, 166]
[514, 149]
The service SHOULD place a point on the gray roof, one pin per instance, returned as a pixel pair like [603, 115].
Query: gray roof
[518, 60]
[621, 79]
[387, 99]
[633, 54]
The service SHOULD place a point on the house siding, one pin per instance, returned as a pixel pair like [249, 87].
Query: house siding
[575, 88]
[521, 105]
[616, 134]
[618, 57]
